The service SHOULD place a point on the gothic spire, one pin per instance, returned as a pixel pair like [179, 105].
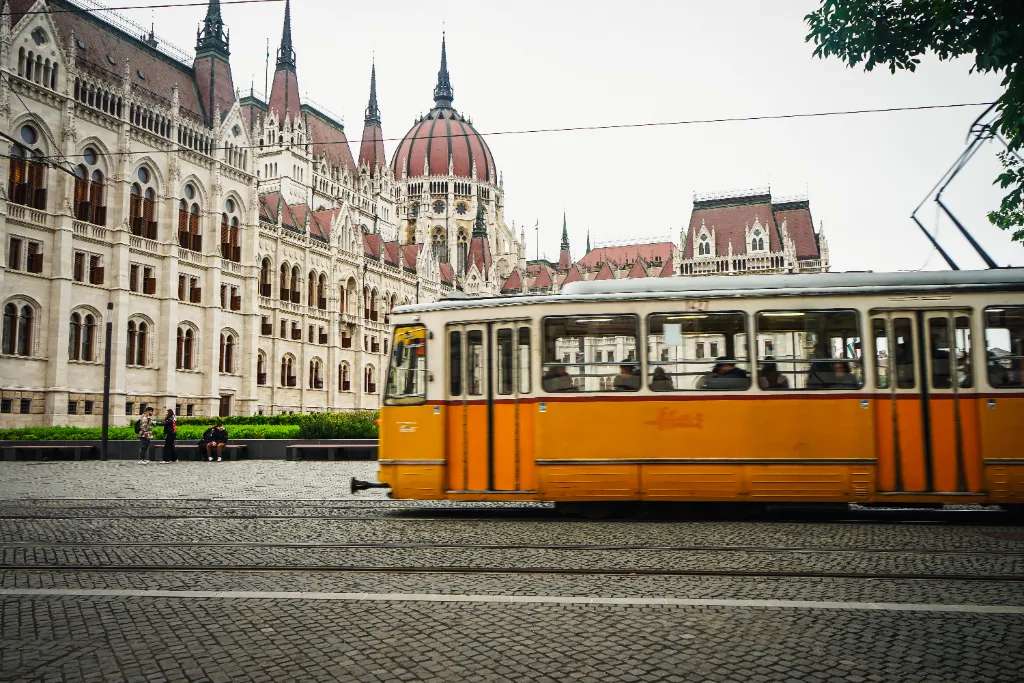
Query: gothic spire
[212, 36]
[372, 110]
[286, 53]
[480, 224]
[588, 240]
[565, 234]
[443, 94]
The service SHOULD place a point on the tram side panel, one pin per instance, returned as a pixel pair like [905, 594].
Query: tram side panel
[1001, 423]
[412, 453]
[792, 447]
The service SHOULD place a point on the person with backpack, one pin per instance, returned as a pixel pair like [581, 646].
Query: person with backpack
[170, 435]
[144, 428]
[213, 441]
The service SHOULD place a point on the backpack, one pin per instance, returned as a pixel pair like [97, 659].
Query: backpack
[136, 425]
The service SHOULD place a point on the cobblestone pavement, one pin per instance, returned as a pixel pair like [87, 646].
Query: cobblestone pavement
[210, 527]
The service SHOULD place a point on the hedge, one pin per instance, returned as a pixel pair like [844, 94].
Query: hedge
[350, 425]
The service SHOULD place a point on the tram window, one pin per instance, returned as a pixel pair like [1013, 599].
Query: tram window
[407, 372]
[455, 363]
[895, 356]
[524, 360]
[816, 350]
[948, 357]
[1004, 346]
[475, 366]
[506, 360]
[675, 356]
[587, 335]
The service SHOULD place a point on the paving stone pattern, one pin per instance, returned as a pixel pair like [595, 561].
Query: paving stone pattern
[96, 639]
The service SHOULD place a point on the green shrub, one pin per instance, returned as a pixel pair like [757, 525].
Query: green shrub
[360, 424]
[289, 419]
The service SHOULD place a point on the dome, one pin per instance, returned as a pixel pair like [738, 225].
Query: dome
[444, 139]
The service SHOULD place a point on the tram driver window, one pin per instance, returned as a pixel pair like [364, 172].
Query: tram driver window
[812, 350]
[676, 360]
[407, 372]
[571, 344]
[1004, 346]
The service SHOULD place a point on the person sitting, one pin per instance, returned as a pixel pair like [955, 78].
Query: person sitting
[627, 379]
[841, 375]
[725, 376]
[770, 378]
[660, 381]
[557, 379]
[213, 442]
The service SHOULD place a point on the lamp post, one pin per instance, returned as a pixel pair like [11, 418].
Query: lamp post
[105, 428]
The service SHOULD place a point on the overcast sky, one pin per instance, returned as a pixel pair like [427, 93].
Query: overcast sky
[532, 64]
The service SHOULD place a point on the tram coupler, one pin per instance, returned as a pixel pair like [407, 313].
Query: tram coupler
[357, 485]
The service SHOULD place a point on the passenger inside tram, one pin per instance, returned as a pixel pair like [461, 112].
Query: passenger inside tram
[557, 379]
[726, 376]
[628, 378]
[770, 377]
[660, 381]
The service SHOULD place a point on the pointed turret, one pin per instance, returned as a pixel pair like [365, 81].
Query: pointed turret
[564, 257]
[371, 149]
[588, 241]
[284, 93]
[443, 93]
[211, 65]
[480, 224]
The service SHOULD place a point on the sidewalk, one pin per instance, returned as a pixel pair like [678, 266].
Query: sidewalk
[245, 479]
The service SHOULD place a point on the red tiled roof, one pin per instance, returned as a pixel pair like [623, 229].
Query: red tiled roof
[320, 223]
[284, 94]
[638, 269]
[542, 278]
[443, 136]
[605, 273]
[800, 226]
[410, 254]
[101, 40]
[269, 203]
[564, 259]
[513, 283]
[573, 275]
[216, 89]
[328, 139]
[480, 254]
[371, 147]
[447, 273]
[730, 219]
[372, 245]
[294, 216]
[251, 112]
[666, 270]
[390, 252]
[652, 251]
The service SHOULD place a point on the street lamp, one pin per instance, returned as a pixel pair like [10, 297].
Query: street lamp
[105, 428]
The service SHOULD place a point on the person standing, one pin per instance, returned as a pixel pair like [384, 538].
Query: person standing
[170, 435]
[144, 428]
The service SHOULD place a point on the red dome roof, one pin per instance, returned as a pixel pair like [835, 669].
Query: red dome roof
[443, 136]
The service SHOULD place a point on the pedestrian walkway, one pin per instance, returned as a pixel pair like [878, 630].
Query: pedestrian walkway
[249, 479]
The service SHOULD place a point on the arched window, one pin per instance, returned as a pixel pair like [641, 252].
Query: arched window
[374, 305]
[703, 246]
[369, 383]
[285, 291]
[133, 334]
[138, 336]
[184, 353]
[366, 303]
[261, 368]
[315, 380]
[142, 207]
[75, 337]
[311, 289]
[266, 278]
[463, 251]
[296, 286]
[230, 247]
[439, 245]
[26, 178]
[757, 241]
[288, 371]
[344, 378]
[227, 352]
[10, 331]
[189, 234]
[341, 299]
[88, 352]
[321, 292]
[90, 205]
[25, 331]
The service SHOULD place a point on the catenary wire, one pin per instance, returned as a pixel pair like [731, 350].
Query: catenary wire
[595, 127]
[166, 5]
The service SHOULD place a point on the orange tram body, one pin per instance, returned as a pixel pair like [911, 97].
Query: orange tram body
[849, 387]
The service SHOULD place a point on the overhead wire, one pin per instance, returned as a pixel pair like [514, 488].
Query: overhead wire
[600, 127]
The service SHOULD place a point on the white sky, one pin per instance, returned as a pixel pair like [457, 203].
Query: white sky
[532, 64]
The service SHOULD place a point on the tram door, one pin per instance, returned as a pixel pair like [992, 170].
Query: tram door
[487, 424]
[927, 425]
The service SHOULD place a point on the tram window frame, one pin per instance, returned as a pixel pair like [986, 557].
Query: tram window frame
[941, 375]
[1015, 359]
[900, 367]
[523, 355]
[855, 364]
[476, 371]
[740, 359]
[391, 397]
[455, 362]
[553, 382]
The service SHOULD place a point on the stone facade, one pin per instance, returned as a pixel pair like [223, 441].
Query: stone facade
[243, 260]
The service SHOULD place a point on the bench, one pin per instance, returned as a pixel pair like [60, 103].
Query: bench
[347, 451]
[190, 451]
[49, 452]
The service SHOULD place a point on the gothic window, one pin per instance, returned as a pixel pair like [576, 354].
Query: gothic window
[189, 232]
[26, 179]
[461, 208]
[288, 371]
[704, 245]
[315, 380]
[285, 291]
[10, 330]
[142, 204]
[230, 246]
[266, 278]
[82, 337]
[439, 206]
[344, 377]
[757, 240]
[296, 288]
[369, 381]
[90, 204]
[227, 352]
[463, 251]
[185, 350]
[321, 292]
[261, 368]
[75, 338]
[311, 289]
[439, 245]
[138, 336]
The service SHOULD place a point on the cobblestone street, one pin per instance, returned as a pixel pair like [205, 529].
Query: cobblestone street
[271, 571]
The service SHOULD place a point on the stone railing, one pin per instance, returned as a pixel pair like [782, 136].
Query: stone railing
[144, 244]
[26, 214]
[231, 266]
[190, 256]
[735, 265]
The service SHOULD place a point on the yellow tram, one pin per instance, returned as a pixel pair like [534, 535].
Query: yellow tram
[845, 387]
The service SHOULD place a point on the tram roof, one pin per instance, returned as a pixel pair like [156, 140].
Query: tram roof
[724, 286]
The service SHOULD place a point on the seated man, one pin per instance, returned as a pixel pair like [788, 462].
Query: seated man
[627, 379]
[557, 379]
[725, 376]
[213, 442]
